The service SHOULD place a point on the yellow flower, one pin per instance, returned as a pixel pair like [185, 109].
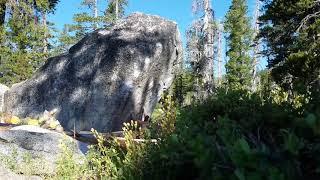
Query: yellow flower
[53, 124]
[15, 120]
[33, 122]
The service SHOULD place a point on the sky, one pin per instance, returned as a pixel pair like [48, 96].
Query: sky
[176, 10]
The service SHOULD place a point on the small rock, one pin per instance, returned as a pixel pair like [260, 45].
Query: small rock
[59, 128]
[6, 174]
[42, 145]
[44, 117]
[31, 128]
[53, 124]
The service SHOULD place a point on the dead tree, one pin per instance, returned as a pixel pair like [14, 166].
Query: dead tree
[219, 53]
[256, 48]
[208, 65]
[204, 63]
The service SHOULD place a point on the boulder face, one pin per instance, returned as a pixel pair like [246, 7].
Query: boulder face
[109, 77]
[9, 175]
[41, 145]
[3, 90]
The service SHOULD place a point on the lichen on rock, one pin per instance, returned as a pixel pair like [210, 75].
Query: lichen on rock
[108, 78]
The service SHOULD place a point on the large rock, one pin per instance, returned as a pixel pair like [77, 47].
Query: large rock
[6, 174]
[109, 77]
[3, 89]
[33, 150]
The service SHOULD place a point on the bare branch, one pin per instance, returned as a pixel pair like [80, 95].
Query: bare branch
[305, 20]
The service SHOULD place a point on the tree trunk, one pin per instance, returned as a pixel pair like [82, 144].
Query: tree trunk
[220, 56]
[256, 48]
[96, 14]
[207, 65]
[3, 8]
[45, 39]
[117, 9]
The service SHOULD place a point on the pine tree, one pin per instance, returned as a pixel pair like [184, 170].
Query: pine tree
[195, 54]
[22, 48]
[116, 8]
[86, 22]
[2, 11]
[290, 29]
[183, 87]
[239, 39]
[65, 40]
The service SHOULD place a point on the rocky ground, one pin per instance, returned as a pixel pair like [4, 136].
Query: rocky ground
[33, 150]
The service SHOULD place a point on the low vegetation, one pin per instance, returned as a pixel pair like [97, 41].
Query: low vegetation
[248, 125]
[234, 135]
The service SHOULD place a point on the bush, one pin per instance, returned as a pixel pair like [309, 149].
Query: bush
[239, 135]
[234, 135]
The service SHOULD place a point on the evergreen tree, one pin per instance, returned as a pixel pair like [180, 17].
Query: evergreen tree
[291, 31]
[23, 47]
[182, 88]
[195, 50]
[116, 8]
[64, 41]
[239, 39]
[86, 22]
[2, 11]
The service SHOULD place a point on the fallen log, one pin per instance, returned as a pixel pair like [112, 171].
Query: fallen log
[88, 137]
[6, 126]
[122, 141]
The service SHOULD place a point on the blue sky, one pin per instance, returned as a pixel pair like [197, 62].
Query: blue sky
[177, 10]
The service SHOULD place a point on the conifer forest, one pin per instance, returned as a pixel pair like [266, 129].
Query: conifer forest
[116, 94]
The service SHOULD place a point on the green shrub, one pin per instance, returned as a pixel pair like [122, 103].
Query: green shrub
[69, 166]
[234, 135]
